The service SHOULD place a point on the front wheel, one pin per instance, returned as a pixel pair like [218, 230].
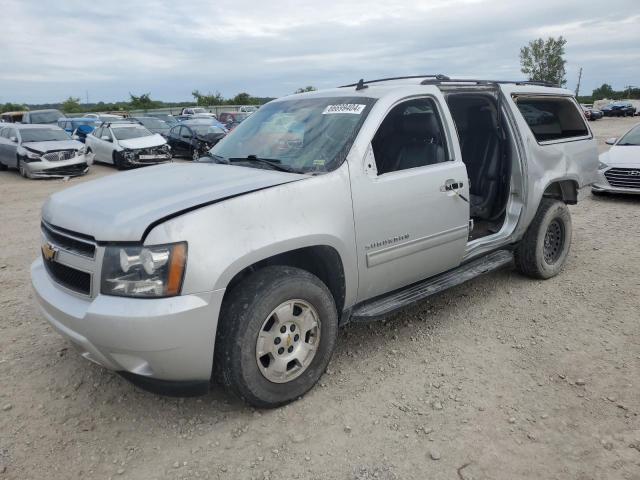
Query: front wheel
[195, 155]
[543, 250]
[22, 168]
[276, 335]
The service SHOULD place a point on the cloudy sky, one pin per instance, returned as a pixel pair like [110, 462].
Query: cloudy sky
[53, 49]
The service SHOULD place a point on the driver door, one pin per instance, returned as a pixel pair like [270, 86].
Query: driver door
[411, 216]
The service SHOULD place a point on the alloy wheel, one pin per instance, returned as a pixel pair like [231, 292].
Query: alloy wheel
[288, 341]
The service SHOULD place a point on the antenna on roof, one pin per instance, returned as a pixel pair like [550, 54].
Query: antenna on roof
[361, 85]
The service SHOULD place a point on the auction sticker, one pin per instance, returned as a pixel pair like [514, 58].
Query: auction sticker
[354, 108]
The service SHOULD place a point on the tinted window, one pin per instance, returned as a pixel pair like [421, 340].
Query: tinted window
[50, 116]
[552, 118]
[410, 136]
[631, 138]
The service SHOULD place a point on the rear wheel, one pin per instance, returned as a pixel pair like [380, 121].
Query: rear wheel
[544, 248]
[276, 336]
[195, 155]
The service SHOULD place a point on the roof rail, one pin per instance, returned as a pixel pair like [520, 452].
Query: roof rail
[488, 82]
[440, 79]
[361, 84]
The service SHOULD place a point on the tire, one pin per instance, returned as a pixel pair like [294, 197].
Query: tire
[118, 161]
[3, 167]
[249, 322]
[195, 155]
[21, 168]
[598, 193]
[543, 250]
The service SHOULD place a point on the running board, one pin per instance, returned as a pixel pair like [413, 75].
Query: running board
[391, 302]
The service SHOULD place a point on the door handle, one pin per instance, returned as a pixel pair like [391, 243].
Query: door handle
[451, 185]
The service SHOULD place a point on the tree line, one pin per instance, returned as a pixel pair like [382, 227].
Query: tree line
[137, 102]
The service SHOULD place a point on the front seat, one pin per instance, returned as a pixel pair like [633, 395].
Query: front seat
[418, 142]
[481, 153]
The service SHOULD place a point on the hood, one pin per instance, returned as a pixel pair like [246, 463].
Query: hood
[154, 140]
[625, 156]
[55, 145]
[120, 207]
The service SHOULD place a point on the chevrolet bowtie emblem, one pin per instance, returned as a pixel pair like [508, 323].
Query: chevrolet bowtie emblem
[49, 251]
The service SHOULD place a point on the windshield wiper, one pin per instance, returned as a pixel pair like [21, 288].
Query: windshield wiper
[215, 158]
[272, 163]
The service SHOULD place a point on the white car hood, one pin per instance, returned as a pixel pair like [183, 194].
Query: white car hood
[121, 207]
[143, 142]
[623, 156]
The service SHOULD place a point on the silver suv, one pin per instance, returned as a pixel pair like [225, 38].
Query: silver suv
[323, 208]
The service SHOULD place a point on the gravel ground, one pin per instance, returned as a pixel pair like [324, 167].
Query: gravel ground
[500, 378]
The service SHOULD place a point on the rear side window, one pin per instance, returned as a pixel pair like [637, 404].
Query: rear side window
[552, 118]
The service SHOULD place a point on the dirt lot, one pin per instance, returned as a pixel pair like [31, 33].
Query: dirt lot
[501, 378]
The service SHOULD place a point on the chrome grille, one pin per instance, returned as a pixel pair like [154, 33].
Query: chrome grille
[59, 155]
[623, 177]
[76, 243]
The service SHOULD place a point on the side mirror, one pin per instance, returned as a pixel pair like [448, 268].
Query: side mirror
[610, 141]
[14, 139]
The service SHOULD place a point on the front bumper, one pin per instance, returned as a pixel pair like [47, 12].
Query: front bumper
[62, 168]
[149, 158]
[164, 339]
[602, 185]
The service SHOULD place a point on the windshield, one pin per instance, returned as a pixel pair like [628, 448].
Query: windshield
[153, 123]
[313, 134]
[631, 138]
[206, 129]
[125, 133]
[50, 116]
[43, 135]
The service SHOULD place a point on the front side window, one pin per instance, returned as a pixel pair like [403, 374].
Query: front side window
[308, 135]
[410, 136]
[552, 118]
[126, 133]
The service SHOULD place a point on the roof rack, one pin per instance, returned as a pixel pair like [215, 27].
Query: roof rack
[124, 120]
[362, 83]
[440, 79]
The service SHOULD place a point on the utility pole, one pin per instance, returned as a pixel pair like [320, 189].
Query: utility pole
[579, 78]
[86, 93]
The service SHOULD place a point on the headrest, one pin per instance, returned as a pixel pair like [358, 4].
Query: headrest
[421, 125]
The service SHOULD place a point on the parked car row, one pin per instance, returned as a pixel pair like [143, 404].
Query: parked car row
[590, 112]
[619, 109]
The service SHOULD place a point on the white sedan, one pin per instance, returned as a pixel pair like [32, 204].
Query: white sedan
[127, 144]
[619, 168]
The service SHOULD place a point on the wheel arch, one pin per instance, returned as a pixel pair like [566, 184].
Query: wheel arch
[323, 261]
[565, 190]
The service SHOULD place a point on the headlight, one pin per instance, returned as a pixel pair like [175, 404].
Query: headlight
[148, 272]
[32, 155]
[128, 154]
[165, 147]
[602, 166]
